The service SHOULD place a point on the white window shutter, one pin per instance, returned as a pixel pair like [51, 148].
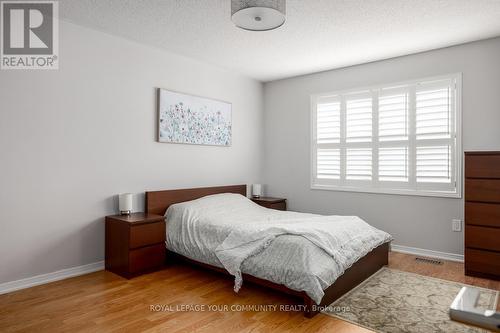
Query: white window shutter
[328, 121]
[393, 164]
[359, 119]
[401, 138]
[433, 110]
[328, 164]
[359, 164]
[393, 117]
[435, 132]
[434, 164]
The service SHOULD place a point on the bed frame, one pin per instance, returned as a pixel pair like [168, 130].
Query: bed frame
[157, 202]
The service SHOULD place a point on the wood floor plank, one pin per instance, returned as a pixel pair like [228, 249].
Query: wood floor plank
[105, 302]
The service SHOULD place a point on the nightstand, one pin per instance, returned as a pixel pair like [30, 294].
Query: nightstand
[135, 243]
[273, 203]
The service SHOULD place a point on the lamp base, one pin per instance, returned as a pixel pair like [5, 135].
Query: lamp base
[125, 212]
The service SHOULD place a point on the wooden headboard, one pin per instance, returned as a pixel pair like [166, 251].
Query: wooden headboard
[157, 202]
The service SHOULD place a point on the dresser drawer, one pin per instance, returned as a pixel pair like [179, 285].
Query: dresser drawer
[486, 190]
[482, 166]
[482, 262]
[482, 214]
[146, 258]
[482, 238]
[147, 234]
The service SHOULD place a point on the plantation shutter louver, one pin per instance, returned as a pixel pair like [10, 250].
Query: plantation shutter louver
[329, 163]
[434, 131]
[328, 132]
[393, 164]
[434, 164]
[359, 119]
[328, 122]
[393, 117]
[359, 164]
[433, 111]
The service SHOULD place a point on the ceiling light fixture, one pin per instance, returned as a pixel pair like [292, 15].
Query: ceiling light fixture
[258, 15]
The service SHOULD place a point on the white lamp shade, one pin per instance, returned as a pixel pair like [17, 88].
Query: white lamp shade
[125, 202]
[256, 190]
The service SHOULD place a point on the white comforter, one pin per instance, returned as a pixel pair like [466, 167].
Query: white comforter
[304, 252]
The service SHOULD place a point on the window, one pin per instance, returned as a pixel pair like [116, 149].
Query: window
[399, 138]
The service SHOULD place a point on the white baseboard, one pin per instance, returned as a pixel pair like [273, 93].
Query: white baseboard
[8, 287]
[427, 253]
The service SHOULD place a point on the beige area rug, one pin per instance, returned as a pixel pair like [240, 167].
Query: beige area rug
[397, 301]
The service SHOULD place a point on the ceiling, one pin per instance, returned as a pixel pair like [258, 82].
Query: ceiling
[318, 34]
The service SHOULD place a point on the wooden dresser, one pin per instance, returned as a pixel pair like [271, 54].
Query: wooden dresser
[482, 214]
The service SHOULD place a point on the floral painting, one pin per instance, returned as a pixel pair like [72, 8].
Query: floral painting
[193, 120]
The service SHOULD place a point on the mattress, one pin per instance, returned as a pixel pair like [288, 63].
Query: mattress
[197, 229]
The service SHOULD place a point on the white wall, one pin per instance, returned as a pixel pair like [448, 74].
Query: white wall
[421, 222]
[71, 139]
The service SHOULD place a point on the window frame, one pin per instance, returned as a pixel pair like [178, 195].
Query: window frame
[375, 186]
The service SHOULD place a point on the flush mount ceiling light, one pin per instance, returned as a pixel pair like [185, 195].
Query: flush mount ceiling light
[258, 15]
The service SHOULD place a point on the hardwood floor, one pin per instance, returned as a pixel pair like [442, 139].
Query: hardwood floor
[105, 302]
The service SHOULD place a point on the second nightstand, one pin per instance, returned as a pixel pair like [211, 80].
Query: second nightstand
[273, 203]
[135, 243]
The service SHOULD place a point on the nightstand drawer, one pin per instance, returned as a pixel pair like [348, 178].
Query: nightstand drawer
[146, 258]
[147, 234]
[275, 205]
[482, 237]
[272, 203]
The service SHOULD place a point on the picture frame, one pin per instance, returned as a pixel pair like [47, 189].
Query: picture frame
[189, 119]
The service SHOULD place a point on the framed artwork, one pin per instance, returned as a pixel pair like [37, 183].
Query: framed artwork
[194, 120]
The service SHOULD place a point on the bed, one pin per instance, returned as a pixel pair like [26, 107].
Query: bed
[199, 245]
